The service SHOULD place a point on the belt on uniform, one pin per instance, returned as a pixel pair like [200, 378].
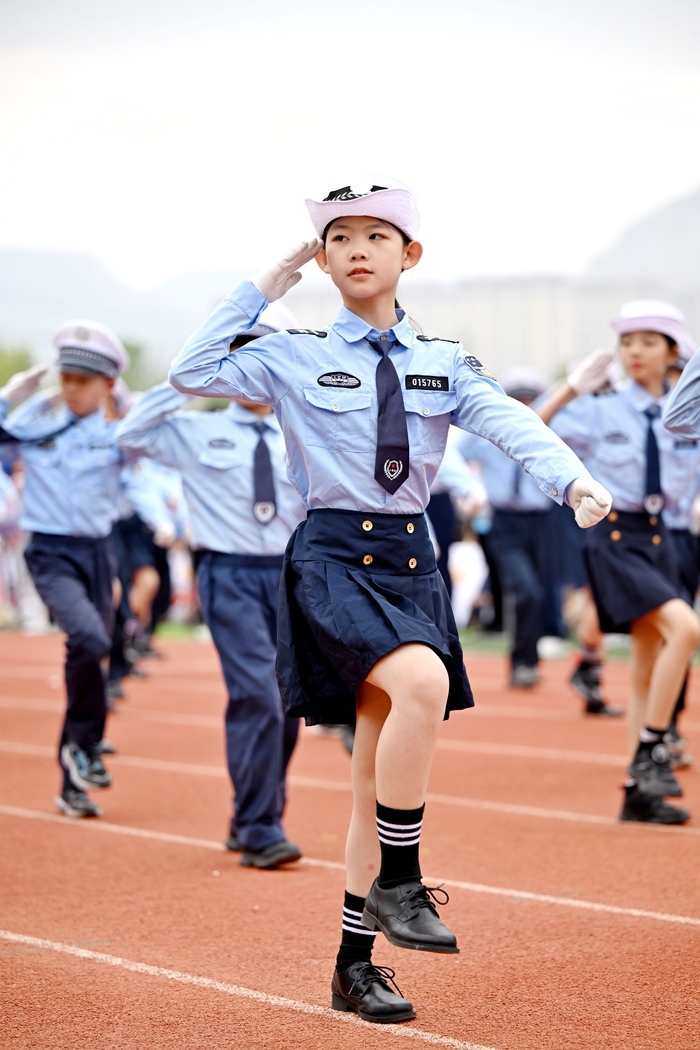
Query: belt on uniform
[627, 524]
[244, 561]
[398, 544]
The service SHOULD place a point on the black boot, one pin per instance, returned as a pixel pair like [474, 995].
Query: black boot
[363, 988]
[407, 917]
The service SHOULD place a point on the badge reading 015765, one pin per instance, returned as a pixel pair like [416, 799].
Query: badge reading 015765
[476, 365]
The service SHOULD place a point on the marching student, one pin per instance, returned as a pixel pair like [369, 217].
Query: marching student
[242, 512]
[72, 466]
[365, 625]
[630, 557]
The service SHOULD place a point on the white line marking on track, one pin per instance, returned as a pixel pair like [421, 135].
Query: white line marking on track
[313, 783]
[241, 993]
[313, 862]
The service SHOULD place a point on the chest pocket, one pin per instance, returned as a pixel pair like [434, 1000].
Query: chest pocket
[338, 419]
[617, 453]
[428, 417]
[222, 458]
[40, 458]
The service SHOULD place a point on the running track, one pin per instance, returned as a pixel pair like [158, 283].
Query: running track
[139, 931]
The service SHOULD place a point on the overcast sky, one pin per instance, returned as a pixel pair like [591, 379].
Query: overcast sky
[164, 137]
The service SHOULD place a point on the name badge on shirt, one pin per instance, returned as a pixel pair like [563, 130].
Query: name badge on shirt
[617, 438]
[427, 382]
[221, 443]
[685, 443]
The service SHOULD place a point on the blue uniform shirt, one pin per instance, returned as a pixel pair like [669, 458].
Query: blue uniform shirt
[508, 486]
[681, 412]
[322, 387]
[609, 431]
[154, 492]
[71, 468]
[214, 453]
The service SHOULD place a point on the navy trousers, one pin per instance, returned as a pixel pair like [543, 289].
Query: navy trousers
[515, 544]
[239, 595]
[73, 576]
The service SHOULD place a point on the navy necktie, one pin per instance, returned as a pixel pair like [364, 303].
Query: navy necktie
[264, 507]
[391, 461]
[653, 495]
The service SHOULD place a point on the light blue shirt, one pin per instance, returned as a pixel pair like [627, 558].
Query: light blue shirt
[214, 453]
[71, 468]
[681, 413]
[323, 389]
[610, 432]
[454, 476]
[154, 492]
[508, 486]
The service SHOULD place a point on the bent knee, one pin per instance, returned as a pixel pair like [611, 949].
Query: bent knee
[89, 645]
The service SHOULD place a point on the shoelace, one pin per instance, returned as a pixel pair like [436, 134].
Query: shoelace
[424, 897]
[372, 973]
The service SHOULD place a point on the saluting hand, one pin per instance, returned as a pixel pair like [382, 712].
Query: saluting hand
[276, 280]
[592, 373]
[589, 500]
[23, 384]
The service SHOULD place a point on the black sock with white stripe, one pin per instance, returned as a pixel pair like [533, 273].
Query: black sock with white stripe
[357, 941]
[399, 841]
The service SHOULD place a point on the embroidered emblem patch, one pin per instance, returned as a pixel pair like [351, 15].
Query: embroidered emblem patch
[476, 366]
[264, 511]
[343, 379]
[221, 443]
[654, 503]
[393, 468]
[427, 382]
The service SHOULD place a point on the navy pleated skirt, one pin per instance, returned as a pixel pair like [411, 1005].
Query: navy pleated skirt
[355, 586]
[631, 566]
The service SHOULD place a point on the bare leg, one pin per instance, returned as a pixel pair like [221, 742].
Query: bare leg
[362, 846]
[646, 645]
[677, 629]
[144, 588]
[416, 681]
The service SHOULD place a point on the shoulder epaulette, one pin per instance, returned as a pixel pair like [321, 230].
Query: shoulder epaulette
[436, 339]
[307, 331]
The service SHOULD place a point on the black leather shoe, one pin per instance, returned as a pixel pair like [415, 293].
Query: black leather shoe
[272, 856]
[363, 988]
[233, 844]
[407, 916]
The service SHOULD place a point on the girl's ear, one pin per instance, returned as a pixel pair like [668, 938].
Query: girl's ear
[412, 254]
[322, 260]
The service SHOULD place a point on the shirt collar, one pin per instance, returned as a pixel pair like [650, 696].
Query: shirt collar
[244, 415]
[352, 328]
[639, 398]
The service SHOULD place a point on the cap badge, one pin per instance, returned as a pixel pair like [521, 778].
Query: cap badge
[82, 334]
[350, 193]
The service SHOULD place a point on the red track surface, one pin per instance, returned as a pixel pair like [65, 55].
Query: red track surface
[139, 931]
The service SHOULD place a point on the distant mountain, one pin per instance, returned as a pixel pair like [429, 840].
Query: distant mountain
[38, 290]
[663, 248]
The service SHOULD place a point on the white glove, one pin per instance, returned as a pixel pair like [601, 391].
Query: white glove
[23, 384]
[592, 373]
[164, 536]
[589, 500]
[276, 280]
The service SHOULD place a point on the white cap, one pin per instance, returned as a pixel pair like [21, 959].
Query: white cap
[654, 315]
[521, 381]
[375, 196]
[90, 348]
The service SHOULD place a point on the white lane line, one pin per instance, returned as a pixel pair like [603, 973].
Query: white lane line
[241, 993]
[316, 783]
[330, 865]
[551, 754]
[480, 711]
